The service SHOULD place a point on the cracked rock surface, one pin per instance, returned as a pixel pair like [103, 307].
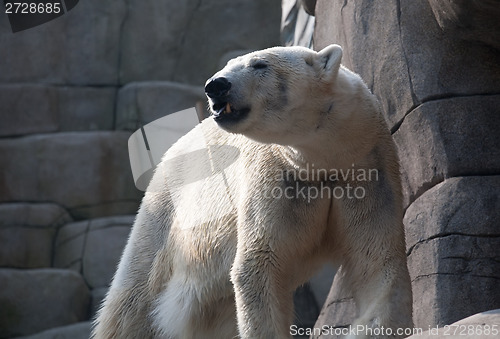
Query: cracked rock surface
[72, 91]
[435, 67]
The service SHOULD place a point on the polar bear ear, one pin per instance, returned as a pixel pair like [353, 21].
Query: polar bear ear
[328, 60]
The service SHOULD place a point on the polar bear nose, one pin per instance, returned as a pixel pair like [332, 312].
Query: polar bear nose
[218, 87]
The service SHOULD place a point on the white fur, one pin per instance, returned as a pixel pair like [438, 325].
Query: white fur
[212, 255]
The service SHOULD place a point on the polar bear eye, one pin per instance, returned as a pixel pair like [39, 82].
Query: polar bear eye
[259, 65]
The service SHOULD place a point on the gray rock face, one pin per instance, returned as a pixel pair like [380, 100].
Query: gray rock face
[339, 310]
[31, 108]
[457, 198]
[93, 247]
[469, 20]
[97, 296]
[438, 89]
[105, 242]
[90, 164]
[34, 300]
[399, 60]
[372, 48]
[124, 41]
[69, 246]
[145, 102]
[71, 90]
[451, 255]
[448, 138]
[85, 108]
[77, 331]
[27, 232]
[484, 325]
[81, 47]
[162, 40]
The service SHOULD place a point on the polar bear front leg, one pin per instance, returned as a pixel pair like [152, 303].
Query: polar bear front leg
[374, 269]
[384, 303]
[263, 303]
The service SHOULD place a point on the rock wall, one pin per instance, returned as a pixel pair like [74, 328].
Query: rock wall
[435, 67]
[71, 92]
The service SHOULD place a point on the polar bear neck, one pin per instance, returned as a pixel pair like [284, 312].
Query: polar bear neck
[352, 130]
[319, 158]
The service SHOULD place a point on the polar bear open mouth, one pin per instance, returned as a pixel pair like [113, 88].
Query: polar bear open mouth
[224, 111]
[223, 108]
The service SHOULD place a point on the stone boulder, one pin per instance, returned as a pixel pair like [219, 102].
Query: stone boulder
[484, 325]
[69, 245]
[35, 300]
[27, 233]
[81, 47]
[434, 66]
[455, 261]
[86, 172]
[143, 102]
[183, 41]
[469, 20]
[339, 310]
[369, 34]
[34, 108]
[402, 63]
[76, 331]
[97, 296]
[93, 247]
[452, 256]
[448, 138]
[118, 42]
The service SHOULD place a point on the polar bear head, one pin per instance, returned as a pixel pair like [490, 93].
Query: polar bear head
[277, 95]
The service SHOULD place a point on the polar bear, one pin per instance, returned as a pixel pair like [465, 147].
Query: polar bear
[294, 168]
